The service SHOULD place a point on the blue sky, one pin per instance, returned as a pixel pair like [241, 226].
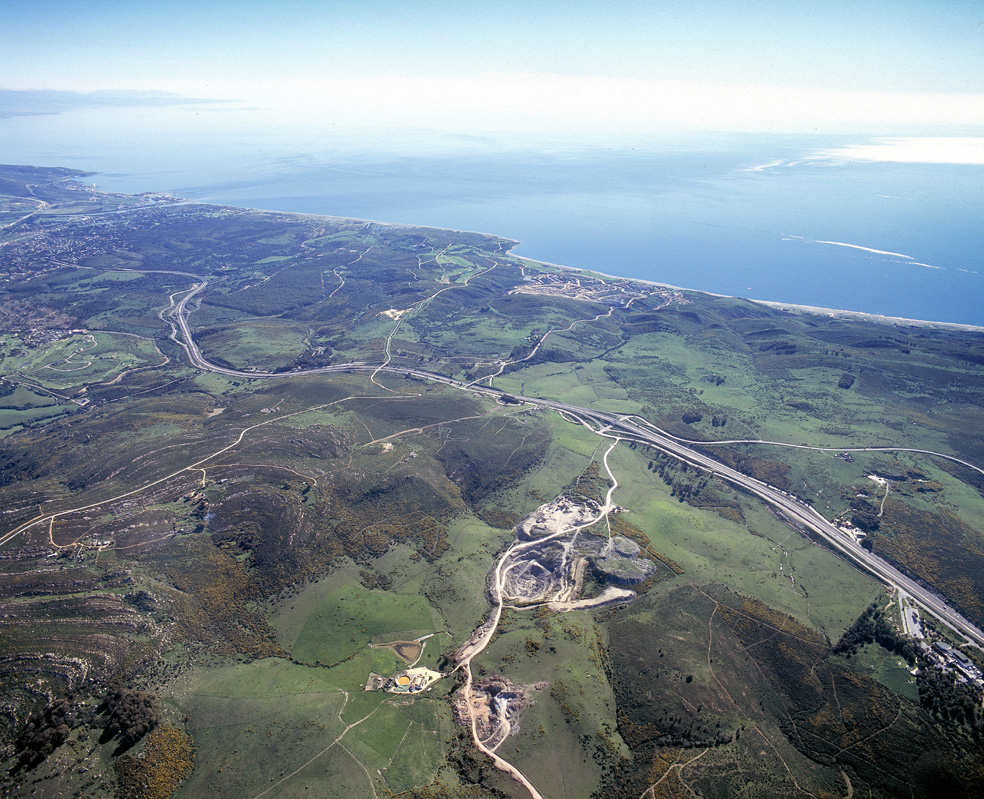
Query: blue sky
[805, 66]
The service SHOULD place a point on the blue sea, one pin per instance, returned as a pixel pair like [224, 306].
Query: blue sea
[760, 216]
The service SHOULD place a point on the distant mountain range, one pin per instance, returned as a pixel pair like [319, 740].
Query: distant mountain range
[48, 101]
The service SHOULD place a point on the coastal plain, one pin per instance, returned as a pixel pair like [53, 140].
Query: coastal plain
[203, 568]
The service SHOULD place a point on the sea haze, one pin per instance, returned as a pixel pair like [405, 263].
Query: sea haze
[762, 217]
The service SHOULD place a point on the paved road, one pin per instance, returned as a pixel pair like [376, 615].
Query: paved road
[786, 504]
[798, 511]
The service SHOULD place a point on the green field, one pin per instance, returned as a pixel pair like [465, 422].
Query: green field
[78, 359]
[349, 619]
[22, 407]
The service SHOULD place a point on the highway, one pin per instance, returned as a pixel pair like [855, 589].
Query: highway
[789, 506]
[800, 512]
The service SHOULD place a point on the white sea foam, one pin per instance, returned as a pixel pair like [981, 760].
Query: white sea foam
[859, 247]
[907, 258]
[763, 167]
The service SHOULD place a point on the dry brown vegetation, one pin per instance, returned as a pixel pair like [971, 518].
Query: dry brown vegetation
[167, 758]
[939, 548]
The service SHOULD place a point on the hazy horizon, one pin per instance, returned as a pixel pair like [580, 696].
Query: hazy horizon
[575, 70]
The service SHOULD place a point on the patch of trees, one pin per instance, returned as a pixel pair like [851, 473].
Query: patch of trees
[131, 714]
[946, 699]
[683, 480]
[779, 348]
[313, 360]
[864, 515]
[373, 580]
[939, 691]
[695, 487]
[971, 357]
[686, 490]
[691, 417]
[962, 473]
[879, 344]
[20, 464]
[142, 600]
[475, 772]
[873, 627]
[936, 548]
[45, 733]
[768, 471]
[92, 306]
[672, 730]
[846, 381]
[542, 355]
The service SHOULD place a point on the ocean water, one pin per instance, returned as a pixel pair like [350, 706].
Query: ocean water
[753, 216]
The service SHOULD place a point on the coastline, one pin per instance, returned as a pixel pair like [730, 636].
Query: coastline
[405, 225]
[784, 306]
[619, 277]
[863, 315]
[815, 310]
